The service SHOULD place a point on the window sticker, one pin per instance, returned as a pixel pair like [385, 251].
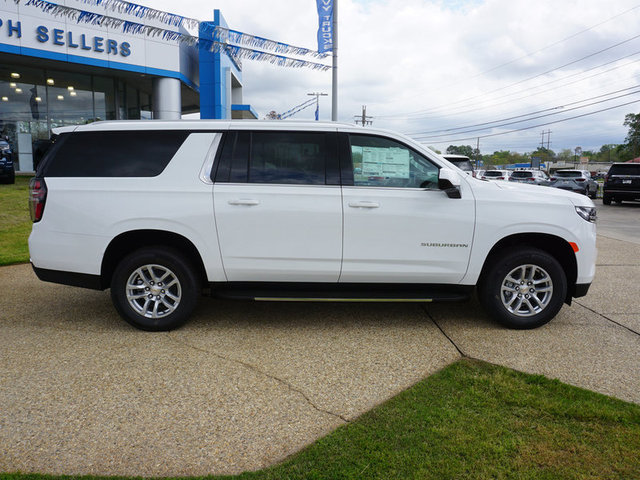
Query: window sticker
[385, 162]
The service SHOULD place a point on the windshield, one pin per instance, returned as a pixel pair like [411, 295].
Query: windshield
[568, 174]
[522, 174]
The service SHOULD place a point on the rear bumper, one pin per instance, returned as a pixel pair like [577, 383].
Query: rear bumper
[620, 193]
[74, 279]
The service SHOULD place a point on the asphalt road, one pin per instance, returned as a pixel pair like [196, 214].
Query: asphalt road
[244, 384]
[620, 221]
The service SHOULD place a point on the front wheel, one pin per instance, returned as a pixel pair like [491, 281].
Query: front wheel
[155, 289]
[524, 289]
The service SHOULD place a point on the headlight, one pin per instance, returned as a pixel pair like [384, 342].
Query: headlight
[588, 213]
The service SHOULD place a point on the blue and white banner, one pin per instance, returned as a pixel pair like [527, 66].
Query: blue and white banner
[325, 25]
[223, 39]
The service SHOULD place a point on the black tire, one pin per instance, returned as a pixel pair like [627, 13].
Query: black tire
[606, 199]
[151, 307]
[594, 195]
[539, 271]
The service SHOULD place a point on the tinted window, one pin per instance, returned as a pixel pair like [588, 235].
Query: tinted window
[522, 174]
[629, 169]
[462, 164]
[493, 173]
[288, 157]
[568, 174]
[381, 162]
[114, 154]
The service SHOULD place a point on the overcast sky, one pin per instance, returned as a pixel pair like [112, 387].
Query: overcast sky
[431, 68]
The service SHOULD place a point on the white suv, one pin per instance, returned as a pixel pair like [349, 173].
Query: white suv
[161, 212]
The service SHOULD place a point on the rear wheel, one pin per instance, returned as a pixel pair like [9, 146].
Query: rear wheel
[155, 289]
[606, 199]
[524, 289]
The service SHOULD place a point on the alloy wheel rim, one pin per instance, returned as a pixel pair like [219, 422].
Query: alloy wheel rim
[153, 291]
[526, 290]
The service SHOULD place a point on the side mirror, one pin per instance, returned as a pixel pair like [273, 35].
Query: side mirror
[449, 181]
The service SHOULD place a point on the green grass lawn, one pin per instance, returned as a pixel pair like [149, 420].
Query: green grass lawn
[15, 223]
[474, 420]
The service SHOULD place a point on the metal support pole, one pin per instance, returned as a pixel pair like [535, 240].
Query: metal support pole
[334, 70]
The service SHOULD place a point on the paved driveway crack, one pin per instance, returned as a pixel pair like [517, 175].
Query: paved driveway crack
[255, 369]
[607, 318]
[462, 354]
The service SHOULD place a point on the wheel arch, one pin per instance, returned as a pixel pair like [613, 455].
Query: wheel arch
[128, 242]
[555, 246]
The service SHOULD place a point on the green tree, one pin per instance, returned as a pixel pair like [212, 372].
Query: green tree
[565, 155]
[461, 150]
[632, 140]
[544, 154]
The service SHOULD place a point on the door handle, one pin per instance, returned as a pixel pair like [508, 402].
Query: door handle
[244, 201]
[364, 204]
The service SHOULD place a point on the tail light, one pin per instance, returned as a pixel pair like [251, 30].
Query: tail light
[531, 179]
[580, 179]
[37, 198]
[553, 179]
[500, 178]
[606, 177]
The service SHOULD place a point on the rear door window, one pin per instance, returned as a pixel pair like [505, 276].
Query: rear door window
[135, 153]
[298, 158]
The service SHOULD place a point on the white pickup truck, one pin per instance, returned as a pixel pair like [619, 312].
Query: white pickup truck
[163, 211]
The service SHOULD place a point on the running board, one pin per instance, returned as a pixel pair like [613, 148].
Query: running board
[339, 292]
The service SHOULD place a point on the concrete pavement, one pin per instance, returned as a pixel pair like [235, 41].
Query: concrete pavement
[244, 384]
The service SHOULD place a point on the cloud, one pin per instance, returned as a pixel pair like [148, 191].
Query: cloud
[426, 65]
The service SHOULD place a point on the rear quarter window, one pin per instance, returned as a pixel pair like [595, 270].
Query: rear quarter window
[114, 154]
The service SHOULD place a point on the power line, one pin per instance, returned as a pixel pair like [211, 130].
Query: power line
[558, 107]
[555, 43]
[536, 126]
[529, 54]
[573, 62]
[471, 110]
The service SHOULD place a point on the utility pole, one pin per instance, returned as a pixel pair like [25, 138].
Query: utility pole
[317, 95]
[548, 132]
[478, 152]
[364, 118]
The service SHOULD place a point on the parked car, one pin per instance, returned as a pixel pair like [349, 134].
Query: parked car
[159, 210]
[532, 177]
[7, 168]
[462, 162]
[578, 181]
[622, 182]
[496, 175]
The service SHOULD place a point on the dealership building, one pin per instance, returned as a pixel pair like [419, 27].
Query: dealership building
[56, 71]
